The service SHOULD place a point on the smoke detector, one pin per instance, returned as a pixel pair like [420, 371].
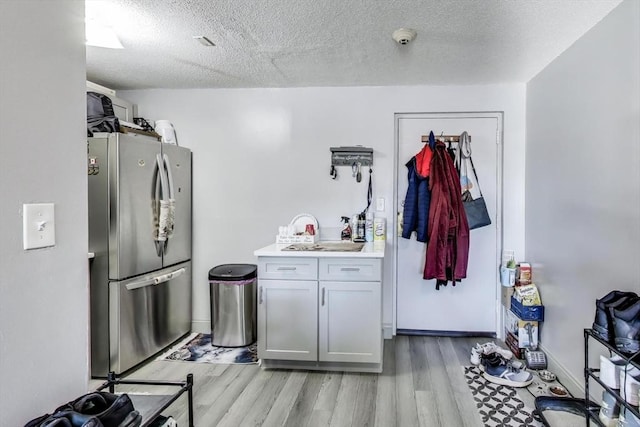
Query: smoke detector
[404, 35]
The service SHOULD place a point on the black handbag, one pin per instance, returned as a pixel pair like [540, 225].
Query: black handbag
[475, 209]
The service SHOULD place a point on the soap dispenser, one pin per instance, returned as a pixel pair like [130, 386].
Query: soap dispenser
[346, 229]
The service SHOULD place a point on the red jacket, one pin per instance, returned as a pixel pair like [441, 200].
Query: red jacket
[448, 230]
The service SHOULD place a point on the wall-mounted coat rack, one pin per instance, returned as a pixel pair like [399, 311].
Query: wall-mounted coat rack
[444, 138]
[356, 157]
[347, 156]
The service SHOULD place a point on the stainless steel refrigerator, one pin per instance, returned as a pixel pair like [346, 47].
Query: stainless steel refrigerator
[140, 233]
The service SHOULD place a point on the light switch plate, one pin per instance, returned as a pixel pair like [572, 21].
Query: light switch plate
[38, 225]
[380, 204]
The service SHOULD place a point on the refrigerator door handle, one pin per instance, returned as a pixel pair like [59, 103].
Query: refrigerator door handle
[155, 280]
[140, 284]
[167, 165]
[164, 186]
[169, 276]
[169, 199]
[164, 213]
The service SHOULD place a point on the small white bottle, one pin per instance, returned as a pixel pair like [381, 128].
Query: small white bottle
[379, 229]
[368, 227]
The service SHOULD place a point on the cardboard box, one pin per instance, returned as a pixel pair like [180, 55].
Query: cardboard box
[126, 129]
[512, 344]
[528, 294]
[520, 330]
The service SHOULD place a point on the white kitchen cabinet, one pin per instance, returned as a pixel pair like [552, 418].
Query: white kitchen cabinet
[287, 319]
[350, 325]
[333, 321]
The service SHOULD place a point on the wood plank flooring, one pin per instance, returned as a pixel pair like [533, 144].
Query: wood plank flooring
[421, 385]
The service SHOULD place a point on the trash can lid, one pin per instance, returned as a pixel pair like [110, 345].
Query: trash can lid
[227, 272]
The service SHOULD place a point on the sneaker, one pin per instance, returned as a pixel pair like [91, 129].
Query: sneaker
[630, 384]
[485, 349]
[603, 322]
[610, 370]
[500, 371]
[609, 411]
[627, 419]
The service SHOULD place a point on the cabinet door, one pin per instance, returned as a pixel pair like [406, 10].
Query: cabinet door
[350, 322]
[288, 319]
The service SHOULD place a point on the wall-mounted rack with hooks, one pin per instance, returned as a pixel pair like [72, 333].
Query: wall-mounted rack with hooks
[347, 156]
[444, 138]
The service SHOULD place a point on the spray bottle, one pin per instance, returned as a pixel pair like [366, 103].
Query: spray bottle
[346, 229]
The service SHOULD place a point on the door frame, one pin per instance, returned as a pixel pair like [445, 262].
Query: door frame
[499, 116]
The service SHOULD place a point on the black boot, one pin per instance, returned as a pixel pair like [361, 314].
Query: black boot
[603, 323]
[66, 418]
[111, 409]
[626, 323]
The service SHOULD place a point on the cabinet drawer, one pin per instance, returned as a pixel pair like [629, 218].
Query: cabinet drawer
[288, 268]
[359, 269]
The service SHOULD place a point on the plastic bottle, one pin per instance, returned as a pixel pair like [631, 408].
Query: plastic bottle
[368, 227]
[379, 229]
[346, 229]
[360, 234]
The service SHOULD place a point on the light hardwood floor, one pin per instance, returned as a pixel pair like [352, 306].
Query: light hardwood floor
[422, 384]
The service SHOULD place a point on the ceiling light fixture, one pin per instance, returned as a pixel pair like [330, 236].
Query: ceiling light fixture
[404, 35]
[99, 35]
[204, 41]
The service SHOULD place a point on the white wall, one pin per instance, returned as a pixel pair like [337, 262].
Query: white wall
[261, 156]
[43, 293]
[583, 179]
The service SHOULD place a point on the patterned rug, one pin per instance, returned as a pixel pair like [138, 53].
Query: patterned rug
[198, 348]
[497, 404]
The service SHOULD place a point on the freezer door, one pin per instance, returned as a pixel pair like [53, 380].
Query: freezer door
[133, 208]
[147, 313]
[177, 161]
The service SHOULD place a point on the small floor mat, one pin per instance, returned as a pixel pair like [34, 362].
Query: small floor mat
[198, 348]
[498, 405]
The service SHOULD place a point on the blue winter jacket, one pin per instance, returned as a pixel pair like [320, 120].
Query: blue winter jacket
[416, 204]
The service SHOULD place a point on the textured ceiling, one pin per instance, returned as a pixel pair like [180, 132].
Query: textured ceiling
[295, 43]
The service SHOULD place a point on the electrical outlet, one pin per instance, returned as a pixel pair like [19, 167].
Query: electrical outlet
[380, 204]
[38, 225]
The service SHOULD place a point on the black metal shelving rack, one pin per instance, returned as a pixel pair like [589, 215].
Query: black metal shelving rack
[152, 405]
[593, 373]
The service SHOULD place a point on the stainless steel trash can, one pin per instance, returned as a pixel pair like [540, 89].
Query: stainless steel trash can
[233, 304]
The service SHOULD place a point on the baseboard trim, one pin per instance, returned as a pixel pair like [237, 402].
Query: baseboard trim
[429, 333]
[387, 331]
[201, 326]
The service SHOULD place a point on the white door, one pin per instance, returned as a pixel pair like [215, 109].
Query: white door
[472, 305]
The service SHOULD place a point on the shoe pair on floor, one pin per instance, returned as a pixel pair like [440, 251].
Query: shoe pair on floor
[498, 366]
[617, 320]
[96, 409]
[617, 374]
[487, 349]
[613, 415]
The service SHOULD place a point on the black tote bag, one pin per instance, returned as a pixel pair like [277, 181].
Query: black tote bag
[475, 209]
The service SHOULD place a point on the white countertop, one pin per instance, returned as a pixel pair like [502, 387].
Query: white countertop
[370, 250]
